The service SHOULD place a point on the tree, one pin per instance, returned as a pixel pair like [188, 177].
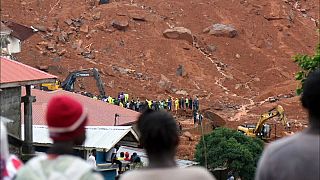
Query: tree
[231, 149]
[307, 64]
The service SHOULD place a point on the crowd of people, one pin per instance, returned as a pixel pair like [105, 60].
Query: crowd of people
[294, 157]
[169, 104]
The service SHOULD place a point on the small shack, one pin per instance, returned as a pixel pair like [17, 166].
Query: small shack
[11, 36]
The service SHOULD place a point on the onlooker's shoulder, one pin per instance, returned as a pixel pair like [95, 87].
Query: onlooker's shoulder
[169, 173]
[290, 142]
[198, 172]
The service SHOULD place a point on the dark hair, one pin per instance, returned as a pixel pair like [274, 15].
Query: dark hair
[121, 154]
[158, 132]
[311, 94]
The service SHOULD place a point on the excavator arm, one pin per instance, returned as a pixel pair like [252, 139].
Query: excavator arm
[276, 111]
[68, 83]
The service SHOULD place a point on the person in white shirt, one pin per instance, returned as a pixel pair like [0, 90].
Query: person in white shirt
[92, 158]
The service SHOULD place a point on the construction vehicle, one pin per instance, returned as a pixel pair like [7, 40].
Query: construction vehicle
[262, 129]
[68, 83]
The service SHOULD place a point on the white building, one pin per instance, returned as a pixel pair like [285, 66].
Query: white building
[11, 36]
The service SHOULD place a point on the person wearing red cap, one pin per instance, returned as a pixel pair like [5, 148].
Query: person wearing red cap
[66, 119]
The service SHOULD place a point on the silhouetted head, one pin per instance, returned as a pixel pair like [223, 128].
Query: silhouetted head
[121, 154]
[94, 152]
[311, 96]
[158, 133]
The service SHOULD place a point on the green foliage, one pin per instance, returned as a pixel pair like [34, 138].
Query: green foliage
[231, 149]
[307, 64]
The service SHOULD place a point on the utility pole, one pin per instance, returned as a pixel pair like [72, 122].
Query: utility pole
[204, 146]
[115, 118]
[27, 147]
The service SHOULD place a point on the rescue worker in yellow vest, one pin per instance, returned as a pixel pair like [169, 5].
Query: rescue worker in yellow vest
[176, 102]
[110, 100]
[149, 103]
[187, 103]
[126, 97]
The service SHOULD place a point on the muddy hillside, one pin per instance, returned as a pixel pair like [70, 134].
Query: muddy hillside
[236, 56]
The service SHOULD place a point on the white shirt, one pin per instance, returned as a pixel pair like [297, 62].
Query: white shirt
[191, 173]
[92, 161]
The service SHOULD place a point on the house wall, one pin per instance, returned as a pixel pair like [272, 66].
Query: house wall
[10, 107]
[14, 46]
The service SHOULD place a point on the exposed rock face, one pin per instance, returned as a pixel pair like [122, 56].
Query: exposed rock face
[180, 33]
[221, 30]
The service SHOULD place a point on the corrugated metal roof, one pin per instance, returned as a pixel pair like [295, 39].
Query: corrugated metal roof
[19, 31]
[104, 137]
[13, 73]
[100, 113]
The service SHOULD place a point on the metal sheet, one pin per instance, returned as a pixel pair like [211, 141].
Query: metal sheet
[104, 137]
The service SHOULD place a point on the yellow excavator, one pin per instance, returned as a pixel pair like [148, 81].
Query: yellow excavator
[262, 129]
[68, 83]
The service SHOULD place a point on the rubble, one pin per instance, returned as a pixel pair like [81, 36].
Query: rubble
[63, 37]
[164, 83]
[181, 92]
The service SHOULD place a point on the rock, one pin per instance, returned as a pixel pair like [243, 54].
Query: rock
[100, 26]
[50, 46]
[88, 54]
[84, 28]
[222, 30]
[41, 28]
[96, 15]
[182, 92]
[39, 48]
[120, 25]
[77, 22]
[181, 71]
[77, 44]
[206, 30]
[68, 21]
[238, 56]
[63, 37]
[188, 135]
[165, 83]
[138, 17]
[180, 33]
[211, 48]
[43, 68]
[61, 52]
